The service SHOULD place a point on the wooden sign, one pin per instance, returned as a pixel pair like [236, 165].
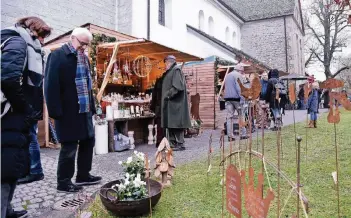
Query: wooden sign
[233, 190]
[255, 204]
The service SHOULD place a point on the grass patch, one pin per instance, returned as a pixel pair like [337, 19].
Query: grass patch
[194, 194]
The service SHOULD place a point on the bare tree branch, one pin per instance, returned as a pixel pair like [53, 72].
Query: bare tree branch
[339, 71]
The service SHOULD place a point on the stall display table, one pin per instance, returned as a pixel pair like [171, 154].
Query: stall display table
[136, 124]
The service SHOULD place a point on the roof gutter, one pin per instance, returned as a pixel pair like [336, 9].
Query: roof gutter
[286, 47]
[148, 20]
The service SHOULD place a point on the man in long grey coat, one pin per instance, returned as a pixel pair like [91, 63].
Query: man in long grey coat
[175, 116]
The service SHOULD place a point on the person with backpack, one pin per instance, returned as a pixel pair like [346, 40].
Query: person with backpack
[275, 91]
[21, 82]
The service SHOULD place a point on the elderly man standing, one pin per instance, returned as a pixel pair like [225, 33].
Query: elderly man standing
[70, 101]
[232, 96]
[175, 116]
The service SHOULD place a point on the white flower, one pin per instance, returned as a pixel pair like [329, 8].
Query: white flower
[121, 187]
[120, 162]
[129, 160]
[126, 182]
[127, 175]
[135, 152]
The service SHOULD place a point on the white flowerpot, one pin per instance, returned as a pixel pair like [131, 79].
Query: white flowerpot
[101, 139]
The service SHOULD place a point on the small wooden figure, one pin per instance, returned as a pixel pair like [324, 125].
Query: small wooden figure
[164, 163]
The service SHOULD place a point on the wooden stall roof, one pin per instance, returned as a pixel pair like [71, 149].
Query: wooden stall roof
[95, 29]
[147, 48]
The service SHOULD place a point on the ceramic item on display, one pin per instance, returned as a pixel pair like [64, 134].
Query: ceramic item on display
[109, 113]
[132, 112]
[131, 139]
[151, 137]
[126, 113]
[101, 139]
[155, 137]
[116, 114]
[137, 111]
[141, 111]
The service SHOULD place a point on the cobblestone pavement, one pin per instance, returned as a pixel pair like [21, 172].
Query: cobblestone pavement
[39, 197]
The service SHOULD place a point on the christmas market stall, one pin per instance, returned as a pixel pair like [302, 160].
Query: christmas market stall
[46, 129]
[126, 72]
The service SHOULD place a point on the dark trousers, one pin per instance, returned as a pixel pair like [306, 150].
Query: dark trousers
[66, 163]
[34, 151]
[7, 191]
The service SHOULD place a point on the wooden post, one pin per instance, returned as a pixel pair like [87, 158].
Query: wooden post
[220, 91]
[108, 70]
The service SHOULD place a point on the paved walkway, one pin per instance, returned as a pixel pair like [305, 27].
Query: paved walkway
[39, 197]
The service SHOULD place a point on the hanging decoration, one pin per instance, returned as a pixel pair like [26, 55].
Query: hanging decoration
[142, 66]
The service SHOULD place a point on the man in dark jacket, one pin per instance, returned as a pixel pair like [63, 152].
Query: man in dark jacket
[175, 115]
[70, 102]
[272, 98]
[20, 59]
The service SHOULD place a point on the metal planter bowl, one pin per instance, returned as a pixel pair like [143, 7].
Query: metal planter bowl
[130, 208]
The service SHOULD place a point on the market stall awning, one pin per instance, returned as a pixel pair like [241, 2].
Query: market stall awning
[153, 50]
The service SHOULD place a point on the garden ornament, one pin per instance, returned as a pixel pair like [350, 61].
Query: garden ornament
[164, 163]
[255, 204]
[254, 91]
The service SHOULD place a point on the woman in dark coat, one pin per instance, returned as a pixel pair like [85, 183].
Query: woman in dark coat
[312, 105]
[21, 58]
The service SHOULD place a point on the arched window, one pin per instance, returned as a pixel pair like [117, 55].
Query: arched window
[234, 39]
[227, 36]
[201, 20]
[210, 26]
[161, 12]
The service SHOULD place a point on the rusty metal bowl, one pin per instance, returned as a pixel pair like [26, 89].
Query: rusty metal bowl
[130, 208]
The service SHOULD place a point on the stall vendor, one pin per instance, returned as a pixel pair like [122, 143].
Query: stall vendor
[175, 116]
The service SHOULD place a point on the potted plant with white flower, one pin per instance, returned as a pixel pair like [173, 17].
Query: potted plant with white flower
[134, 164]
[132, 195]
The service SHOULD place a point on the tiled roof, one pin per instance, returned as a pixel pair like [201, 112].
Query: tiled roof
[259, 9]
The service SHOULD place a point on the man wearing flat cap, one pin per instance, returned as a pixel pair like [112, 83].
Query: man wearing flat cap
[175, 116]
[234, 100]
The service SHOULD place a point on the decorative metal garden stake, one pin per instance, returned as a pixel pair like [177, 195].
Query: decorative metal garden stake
[222, 179]
[278, 146]
[292, 98]
[147, 176]
[307, 88]
[334, 117]
[337, 171]
[250, 130]
[233, 191]
[299, 139]
[209, 166]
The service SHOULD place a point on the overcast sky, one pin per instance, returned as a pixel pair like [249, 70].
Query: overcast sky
[317, 68]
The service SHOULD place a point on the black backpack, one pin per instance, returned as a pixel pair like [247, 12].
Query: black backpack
[279, 85]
